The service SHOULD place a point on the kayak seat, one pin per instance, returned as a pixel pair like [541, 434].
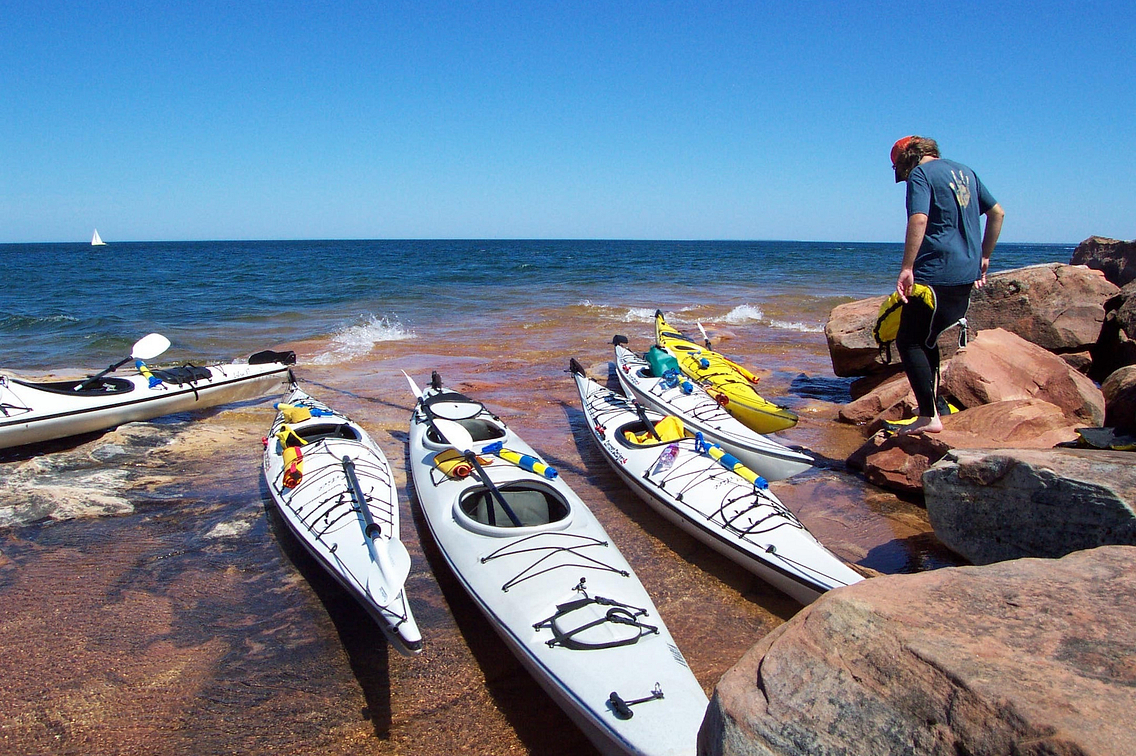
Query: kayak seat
[531, 506]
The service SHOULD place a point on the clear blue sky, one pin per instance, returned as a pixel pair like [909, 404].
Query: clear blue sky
[585, 119]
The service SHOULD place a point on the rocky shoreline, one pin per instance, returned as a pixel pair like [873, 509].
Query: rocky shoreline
[1033, 478]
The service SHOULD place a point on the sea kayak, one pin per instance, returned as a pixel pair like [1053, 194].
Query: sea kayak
[320, 466]
[549, 580]
[674, 395]
[709, 493]
[731, 384]
[32, 411]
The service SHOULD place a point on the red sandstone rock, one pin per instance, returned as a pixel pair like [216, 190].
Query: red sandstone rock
[1116, 259]
[1119, 392]
[999, 365]
[1058, 307]
[1032, 656]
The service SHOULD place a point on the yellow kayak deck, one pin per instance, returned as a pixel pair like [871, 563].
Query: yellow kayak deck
[727, 381]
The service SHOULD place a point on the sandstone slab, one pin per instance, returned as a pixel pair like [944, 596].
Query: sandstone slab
[989, 506]
[1025, 657]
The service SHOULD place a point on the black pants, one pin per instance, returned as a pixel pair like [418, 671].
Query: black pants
[918, 339]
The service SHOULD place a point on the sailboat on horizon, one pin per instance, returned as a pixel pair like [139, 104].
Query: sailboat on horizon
[96, 240]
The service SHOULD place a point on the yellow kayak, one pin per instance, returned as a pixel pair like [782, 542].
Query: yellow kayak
[727, 381]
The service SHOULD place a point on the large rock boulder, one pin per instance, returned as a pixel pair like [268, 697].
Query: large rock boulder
[851, 346]
[1116, 259]
[999, 365]
[898, 463]
[1120, 399]
[989, 506]
[1032, 656]
[1058, 307]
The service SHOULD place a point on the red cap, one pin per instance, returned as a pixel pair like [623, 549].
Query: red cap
[899, 147]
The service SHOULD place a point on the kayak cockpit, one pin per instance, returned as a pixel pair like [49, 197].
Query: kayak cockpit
[100, 387]
[309, 434]
[512, 508]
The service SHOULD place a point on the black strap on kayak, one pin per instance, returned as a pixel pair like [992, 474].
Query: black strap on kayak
[618, 613]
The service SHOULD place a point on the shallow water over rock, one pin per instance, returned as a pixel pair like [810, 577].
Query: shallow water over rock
[153, 603]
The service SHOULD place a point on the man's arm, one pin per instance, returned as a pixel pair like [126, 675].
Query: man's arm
[913, 240]
[994, 218]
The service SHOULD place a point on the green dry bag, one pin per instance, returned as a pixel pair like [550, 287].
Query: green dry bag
[661, 361]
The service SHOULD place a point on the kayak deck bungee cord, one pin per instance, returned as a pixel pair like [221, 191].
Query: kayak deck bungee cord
[669, 395]
[547, 577]
[336, 493]
[709, 493]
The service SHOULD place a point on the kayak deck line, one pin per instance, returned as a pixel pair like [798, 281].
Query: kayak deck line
[722, 504]
[342, 506]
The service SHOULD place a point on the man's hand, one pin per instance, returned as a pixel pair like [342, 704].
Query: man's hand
[904, 284]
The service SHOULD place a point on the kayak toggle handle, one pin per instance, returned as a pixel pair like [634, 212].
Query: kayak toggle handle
[622, 708]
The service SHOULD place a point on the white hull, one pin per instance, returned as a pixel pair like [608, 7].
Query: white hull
[322, 513]
[700, 412]
[32, 412]
[523, 575]
[719, 507]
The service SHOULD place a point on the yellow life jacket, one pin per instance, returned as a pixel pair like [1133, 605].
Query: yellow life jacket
[887, 321]
[670, 428]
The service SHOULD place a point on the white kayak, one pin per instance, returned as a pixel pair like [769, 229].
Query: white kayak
[708, 493]
[320, 465]
[549, 580]
[701, 412]
[31, 411]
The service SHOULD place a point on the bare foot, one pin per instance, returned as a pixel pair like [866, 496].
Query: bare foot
[921, 425]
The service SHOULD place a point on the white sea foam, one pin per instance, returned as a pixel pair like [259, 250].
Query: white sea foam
[639, 315]
[746, 313]
[802, 327]
[358, 340]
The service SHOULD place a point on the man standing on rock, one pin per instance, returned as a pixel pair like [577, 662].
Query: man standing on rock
[946, 249]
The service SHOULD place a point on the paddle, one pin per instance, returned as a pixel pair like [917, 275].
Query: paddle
[705, 338]
[454, 434]
[146, 348]
[390, 566]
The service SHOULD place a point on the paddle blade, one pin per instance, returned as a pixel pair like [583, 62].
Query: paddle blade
[389, 570]
[454, 433]
[149, 347]
[413, 386]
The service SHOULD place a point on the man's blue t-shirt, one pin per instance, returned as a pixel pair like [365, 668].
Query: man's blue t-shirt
[954, 201]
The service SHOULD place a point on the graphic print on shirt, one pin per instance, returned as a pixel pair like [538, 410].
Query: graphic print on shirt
[961, 187]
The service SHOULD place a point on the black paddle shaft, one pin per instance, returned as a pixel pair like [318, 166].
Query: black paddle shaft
[95, 378]
[372, 530]
[472, 459]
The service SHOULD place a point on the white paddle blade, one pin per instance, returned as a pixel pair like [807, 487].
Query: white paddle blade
[413, 386]
[149, 347]
[455, 434]
[388, 572]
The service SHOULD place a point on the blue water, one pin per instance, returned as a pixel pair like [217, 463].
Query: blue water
[70, 305]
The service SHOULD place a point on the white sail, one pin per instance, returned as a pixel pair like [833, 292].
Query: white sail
[96, 240]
